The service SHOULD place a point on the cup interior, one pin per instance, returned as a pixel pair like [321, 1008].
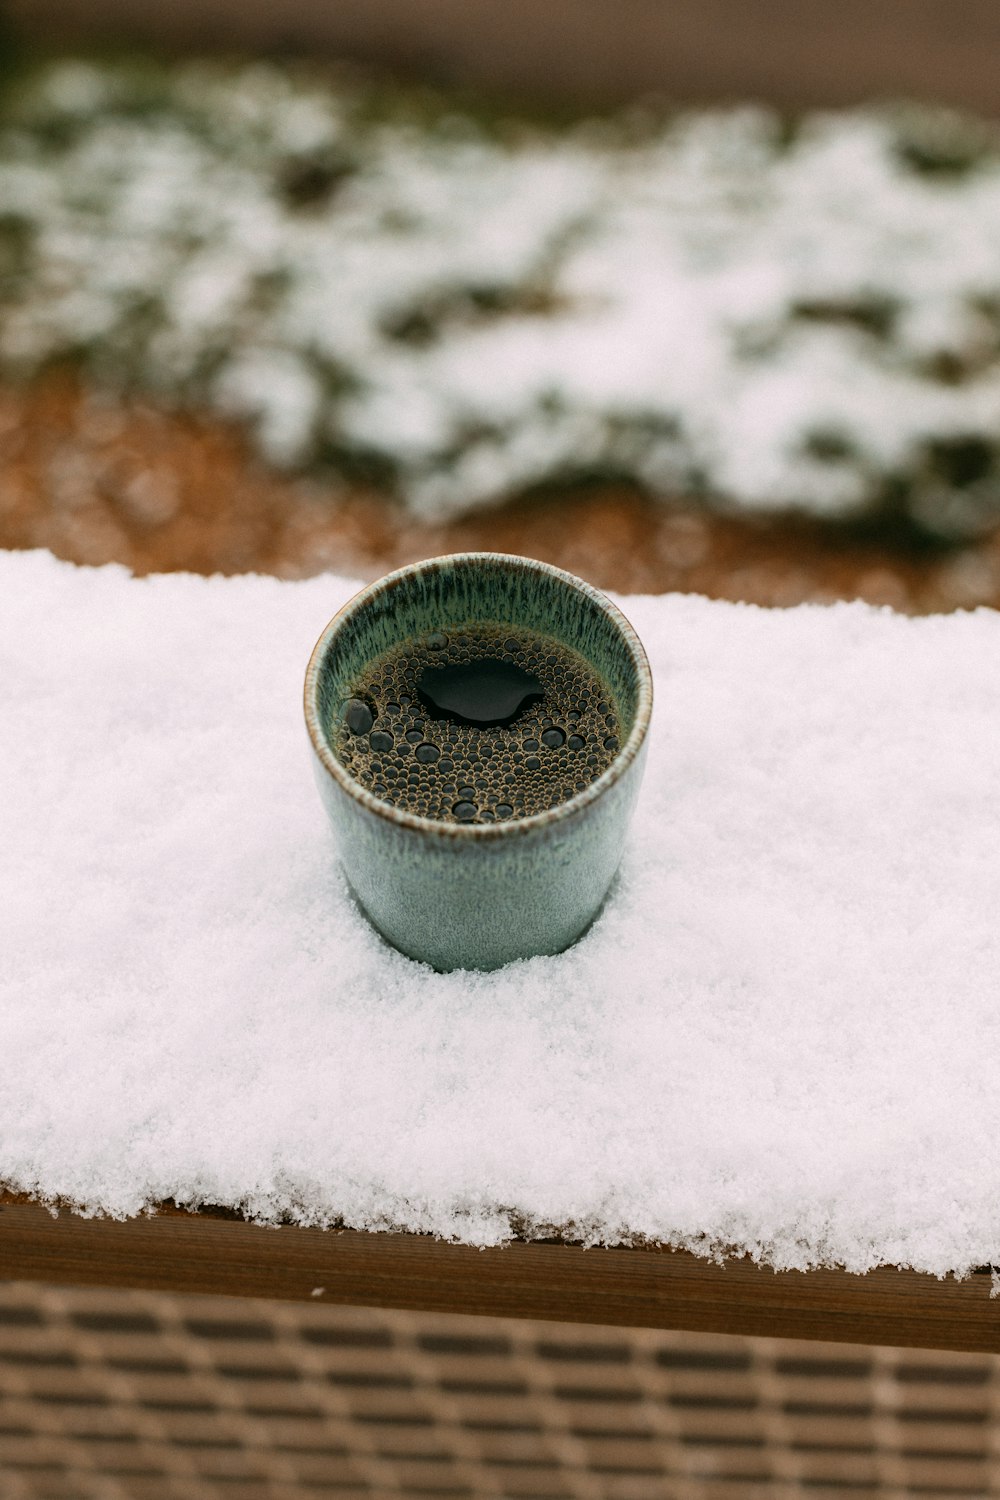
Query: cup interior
[443, 594]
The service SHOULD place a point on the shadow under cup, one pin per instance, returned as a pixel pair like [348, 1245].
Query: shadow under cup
[477, 896]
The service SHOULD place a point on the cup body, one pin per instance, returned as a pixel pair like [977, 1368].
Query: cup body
[477, 896]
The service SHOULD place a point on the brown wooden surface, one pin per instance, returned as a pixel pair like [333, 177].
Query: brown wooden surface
[792, 52]
[217, 1253]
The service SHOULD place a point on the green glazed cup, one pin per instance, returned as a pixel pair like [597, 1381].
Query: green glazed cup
[477, 896]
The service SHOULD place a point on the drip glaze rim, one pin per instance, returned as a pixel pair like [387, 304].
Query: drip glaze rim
[511, 827]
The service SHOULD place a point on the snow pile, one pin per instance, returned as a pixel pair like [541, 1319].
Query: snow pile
[780, 1036]
[710, 306]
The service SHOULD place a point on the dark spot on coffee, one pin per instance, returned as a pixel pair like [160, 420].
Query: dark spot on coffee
[488, 693]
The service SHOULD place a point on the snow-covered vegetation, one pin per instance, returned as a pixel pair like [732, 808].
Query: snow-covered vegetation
[724, 305]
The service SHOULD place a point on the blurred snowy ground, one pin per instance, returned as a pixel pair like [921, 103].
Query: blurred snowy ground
[721, 306]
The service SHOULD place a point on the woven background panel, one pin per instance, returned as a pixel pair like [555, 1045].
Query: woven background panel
[110, 1395]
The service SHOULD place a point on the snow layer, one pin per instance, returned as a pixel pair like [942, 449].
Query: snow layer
[712, 306]
[781, 1035]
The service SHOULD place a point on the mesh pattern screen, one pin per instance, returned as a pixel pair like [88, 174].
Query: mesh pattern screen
[110, 1395]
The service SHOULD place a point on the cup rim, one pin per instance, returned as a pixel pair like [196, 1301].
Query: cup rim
[511, 827]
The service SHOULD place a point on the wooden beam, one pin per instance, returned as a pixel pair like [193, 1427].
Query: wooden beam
[174, 1250]
[791, 52]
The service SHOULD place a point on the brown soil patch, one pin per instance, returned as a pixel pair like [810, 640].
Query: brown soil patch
[97, 479]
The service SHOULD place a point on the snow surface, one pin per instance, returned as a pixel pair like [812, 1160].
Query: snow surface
[710, 305]
[781, 1035]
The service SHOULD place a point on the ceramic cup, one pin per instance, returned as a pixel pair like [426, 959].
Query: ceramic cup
[477, 896]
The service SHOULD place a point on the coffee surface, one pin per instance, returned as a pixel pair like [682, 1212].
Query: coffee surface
[477, 725]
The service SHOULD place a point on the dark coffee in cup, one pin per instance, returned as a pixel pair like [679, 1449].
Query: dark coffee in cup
[478, 723]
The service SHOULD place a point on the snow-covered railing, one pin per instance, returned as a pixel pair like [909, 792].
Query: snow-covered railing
[777, 1043]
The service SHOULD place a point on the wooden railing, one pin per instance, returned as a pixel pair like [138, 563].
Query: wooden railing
[174, 1250]
[791, 52]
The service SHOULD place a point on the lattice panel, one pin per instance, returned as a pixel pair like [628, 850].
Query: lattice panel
[143, 1396]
